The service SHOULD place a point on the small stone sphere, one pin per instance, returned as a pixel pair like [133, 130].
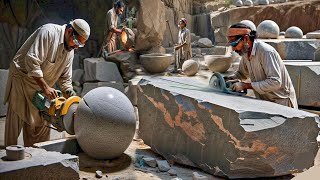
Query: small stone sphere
[250, 24]
[104, 123]
[294, 32]
[190, 67]
[268, 29]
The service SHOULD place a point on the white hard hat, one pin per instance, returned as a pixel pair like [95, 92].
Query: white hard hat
[82, 27]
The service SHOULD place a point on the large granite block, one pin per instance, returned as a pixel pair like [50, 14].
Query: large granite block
[40, 164]
[305, 77]
[97, 69]
[68, 145]
[225, 135]
[294, 49]
[89, 86]
[3, 83]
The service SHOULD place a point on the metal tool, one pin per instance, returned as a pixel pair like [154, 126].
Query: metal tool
[217, 82]
[59, 111]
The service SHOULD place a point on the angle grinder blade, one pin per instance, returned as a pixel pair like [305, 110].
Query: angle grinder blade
[68, 119]
[215, 83]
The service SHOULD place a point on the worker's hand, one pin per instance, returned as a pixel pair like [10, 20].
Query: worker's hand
[50, 93]
[70, 92]
[238, 86]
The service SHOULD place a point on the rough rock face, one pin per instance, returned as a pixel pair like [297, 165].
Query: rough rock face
[294, 32]
[225, 135]
[40, 164]
[3, 80]
[104, 123]
[305, 77]
[268, 29]
[294, 49]
[303, 15]
[190, 67]
[150, 24]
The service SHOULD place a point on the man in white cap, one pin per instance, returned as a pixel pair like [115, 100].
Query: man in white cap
[183, 49]
[44, 59]
[111, 26]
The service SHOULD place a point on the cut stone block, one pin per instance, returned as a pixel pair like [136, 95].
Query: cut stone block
[313, 35]
[97, 69]
[305, 77]
[40, 164]
[77, 76]
[67, 145]
[294, 49]
[131, 90]
[89, 86]
[225, 135]
[3, 83]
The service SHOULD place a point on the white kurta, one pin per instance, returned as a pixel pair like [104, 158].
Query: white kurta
[42, 55]
[269, 77]
[185, 52]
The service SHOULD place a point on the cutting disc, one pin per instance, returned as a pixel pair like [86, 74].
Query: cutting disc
[68, 119]
[217, 81]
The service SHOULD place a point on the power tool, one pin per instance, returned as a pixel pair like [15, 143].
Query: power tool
[59, 111]
[217, 82]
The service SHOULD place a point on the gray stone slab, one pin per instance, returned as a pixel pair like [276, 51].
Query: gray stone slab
[40, 164]
[294, 49]
[77, 76]
[67, 145]
[89, 86]
[225, 135]
[305, 77]
[97, 69]
[3, 83]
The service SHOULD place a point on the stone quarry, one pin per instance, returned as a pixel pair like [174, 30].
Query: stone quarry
[138, 119]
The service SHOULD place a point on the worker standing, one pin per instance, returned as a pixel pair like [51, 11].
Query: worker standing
[183, 49]
[261, 63]
[44, 59]
[111, 26]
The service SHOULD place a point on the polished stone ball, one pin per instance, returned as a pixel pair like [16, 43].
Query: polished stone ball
[294, 32]
[104, 123]
[268, 29]
[190, 67]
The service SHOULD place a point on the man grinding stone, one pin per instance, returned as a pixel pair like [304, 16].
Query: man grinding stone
[44, 59]
[263, 65]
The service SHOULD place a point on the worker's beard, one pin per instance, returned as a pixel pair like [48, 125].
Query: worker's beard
[66, 45]
[244, 50]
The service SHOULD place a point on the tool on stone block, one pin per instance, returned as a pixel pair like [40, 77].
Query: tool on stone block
[217, 82]
[59, 111]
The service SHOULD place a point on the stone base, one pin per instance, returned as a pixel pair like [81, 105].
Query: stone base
[305, 77]
[225, 135]
[294, 49]
[40, 164]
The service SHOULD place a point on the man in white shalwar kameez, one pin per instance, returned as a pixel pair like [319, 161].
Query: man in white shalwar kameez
[44, 59]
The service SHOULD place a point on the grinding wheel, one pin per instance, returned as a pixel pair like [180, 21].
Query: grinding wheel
[68, 119]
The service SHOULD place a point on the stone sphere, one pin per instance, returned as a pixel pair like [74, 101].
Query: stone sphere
[282, 33]
[218, 63]
[155, 62]
[238, 3]
[190, 67]
[294, 32]
[268, 29]
[104, 123]
[248, 3]
[263, 2]
[250, 24]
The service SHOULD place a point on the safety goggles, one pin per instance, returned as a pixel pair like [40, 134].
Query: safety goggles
[75, 40]
[235, 43]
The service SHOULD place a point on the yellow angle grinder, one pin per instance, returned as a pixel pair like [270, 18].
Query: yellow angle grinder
[59, 111]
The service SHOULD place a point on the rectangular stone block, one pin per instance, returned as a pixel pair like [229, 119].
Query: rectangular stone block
[97, 69]
[40, 164]
[294, 49]
[67, 145]
[89, 86]
[225, 135]
[305, 77]
[3, 83]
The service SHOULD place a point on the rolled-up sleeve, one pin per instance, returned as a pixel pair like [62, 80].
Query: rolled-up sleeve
[65, 80]
[271, 67]
[242, 72]
[37, 53]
